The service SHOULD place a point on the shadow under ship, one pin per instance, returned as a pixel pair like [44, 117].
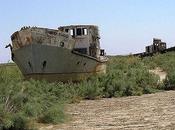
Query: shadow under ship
[69, 53]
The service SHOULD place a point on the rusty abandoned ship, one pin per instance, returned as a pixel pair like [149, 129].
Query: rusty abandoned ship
[67, 53]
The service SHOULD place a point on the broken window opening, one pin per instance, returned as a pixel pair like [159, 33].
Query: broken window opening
[67, 30]
[102, 52]
[52, 33]
[72, 32]
[79, 32]
[84, 31]
[81, 50]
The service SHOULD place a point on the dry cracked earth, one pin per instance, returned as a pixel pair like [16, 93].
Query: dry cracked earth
[153, 111]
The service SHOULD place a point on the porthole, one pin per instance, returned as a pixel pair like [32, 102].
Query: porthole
[30, 65]
[78, 62]
[44, 64]
[62, 44]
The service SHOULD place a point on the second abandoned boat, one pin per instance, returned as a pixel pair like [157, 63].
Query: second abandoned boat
[70, 53]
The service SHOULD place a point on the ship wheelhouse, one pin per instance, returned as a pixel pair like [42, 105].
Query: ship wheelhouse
[86, 39]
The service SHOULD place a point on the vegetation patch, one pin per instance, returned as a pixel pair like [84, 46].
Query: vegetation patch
[23, 102]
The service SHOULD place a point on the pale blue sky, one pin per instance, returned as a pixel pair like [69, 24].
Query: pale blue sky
[126, 26]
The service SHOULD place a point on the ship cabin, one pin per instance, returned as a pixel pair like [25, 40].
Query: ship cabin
[86, 39]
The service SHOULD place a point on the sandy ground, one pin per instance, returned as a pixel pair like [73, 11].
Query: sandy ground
[158, 71]
[153, 111]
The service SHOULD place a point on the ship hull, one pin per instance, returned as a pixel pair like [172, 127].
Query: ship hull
[44, 62]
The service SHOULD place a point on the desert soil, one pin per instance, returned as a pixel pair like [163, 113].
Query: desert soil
[153, 111]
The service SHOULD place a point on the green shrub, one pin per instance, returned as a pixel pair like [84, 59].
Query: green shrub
[90, 89]
[23, 101]
[53, 115]
[14, 121]
[19, 121]
[128, 77]
[170, 81]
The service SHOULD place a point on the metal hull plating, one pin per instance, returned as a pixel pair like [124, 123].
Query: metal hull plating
[55, 63]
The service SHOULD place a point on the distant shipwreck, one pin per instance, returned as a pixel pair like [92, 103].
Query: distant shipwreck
[157, 47]
[69, 53]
